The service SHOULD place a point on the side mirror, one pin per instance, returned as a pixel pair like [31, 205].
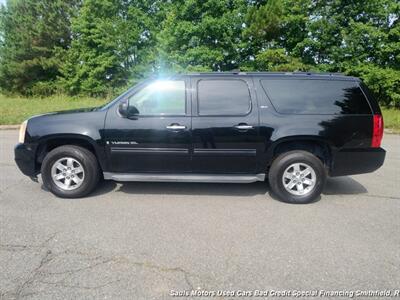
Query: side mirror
[126, 110]
[132, 111]
[123, 108]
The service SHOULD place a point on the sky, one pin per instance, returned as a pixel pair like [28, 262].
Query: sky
[2, 1]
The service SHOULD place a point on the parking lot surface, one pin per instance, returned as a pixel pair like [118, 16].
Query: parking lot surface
[150, 240]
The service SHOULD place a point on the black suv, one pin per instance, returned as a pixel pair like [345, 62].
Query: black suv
[294, 129]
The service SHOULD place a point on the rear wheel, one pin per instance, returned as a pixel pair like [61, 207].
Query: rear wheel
[297, 177]
[70, 171]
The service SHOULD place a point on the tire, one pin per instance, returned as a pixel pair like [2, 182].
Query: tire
[78, 184]
[300, 188]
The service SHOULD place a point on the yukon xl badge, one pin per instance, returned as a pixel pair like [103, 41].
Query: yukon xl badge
[122, 142]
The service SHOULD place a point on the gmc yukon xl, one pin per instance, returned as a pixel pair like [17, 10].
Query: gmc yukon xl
[290, 129]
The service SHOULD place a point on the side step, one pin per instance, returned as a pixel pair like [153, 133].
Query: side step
[160, 177]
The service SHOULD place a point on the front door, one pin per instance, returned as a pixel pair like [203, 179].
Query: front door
[224, 125]
[158, 137]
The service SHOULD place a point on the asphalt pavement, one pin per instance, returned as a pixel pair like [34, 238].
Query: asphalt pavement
[156, 240]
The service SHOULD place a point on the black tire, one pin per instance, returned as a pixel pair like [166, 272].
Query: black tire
[282, 162]
[88, 162]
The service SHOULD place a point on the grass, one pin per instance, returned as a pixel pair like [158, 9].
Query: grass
[391, 119]
[14, 110]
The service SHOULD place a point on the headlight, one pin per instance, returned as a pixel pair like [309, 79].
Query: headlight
[22, 131]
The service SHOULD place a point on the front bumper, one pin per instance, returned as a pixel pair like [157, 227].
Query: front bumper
[25, 159]
[357, 161]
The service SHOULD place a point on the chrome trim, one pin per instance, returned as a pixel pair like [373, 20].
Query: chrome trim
[160, 177]
[224, 152]
[243, 127]
[151, 150]
[176, 127]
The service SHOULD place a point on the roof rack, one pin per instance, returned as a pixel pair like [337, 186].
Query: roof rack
[238, 72]
[299, 73]
[320, 73]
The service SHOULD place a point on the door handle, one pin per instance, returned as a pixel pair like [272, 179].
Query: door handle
[243, 127]
[176, 127]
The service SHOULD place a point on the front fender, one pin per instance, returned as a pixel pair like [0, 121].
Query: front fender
[87, 127]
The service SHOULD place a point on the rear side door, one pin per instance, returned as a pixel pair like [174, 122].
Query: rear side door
[158, 138]
[224, 125]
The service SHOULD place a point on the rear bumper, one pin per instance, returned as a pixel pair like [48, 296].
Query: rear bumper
[25, 159]
[359, 161]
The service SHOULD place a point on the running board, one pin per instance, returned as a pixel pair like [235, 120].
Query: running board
[160, 177]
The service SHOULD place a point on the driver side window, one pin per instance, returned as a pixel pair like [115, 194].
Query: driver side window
[161, 97]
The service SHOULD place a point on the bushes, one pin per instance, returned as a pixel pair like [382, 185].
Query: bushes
[383, 82]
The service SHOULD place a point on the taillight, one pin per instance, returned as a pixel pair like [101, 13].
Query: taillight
[377, 131]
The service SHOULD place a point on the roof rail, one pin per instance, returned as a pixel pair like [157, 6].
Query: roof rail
[234, 72]
[319, 73]
[238, 72]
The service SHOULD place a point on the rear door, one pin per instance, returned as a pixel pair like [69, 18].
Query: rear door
[158, 139]
[224, 125]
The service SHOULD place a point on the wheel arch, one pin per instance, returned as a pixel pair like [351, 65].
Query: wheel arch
[313, 144]
[48, 143]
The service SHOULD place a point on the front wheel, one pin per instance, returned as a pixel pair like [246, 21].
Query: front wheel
[70, 171]
[297, 177]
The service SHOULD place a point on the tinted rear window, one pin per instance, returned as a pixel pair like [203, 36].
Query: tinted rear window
[297, 96]
[223, 97]
[371, 99]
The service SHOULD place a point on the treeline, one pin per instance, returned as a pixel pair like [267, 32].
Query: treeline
[98, 47]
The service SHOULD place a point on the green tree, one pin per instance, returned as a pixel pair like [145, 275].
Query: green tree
[344, 32]
[360, 38]
[201, 35]
[367, 44]
[98, 46]
[33, 32]
[109, 38]
[274, 28]
[384, 82]
[264, 22]
[278, 60]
